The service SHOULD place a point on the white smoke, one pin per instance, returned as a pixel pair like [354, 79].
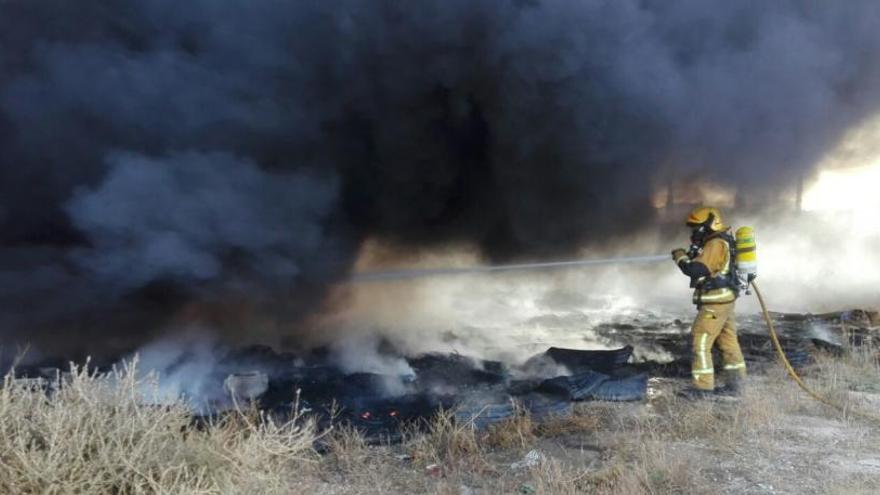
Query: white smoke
[360, 354]
[508, 317]
[812, 262]
[184, 365]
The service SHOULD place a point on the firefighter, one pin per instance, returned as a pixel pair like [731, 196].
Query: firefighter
[711, 267]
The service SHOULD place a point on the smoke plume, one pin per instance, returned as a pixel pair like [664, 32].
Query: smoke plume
[159, 154]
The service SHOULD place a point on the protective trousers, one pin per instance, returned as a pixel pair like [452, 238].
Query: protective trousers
[715, 324]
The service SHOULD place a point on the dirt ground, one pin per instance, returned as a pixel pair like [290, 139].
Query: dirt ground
[773, 440]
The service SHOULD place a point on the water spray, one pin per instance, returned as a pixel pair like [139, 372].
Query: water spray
[379, 276]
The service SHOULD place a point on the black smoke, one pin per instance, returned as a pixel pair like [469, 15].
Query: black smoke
[156, 152]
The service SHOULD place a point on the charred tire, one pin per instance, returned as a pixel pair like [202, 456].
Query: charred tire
[483, 415]
[628, 389]
[541, 406]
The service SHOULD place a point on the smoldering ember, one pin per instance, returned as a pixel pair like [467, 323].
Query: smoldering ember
[470, 246]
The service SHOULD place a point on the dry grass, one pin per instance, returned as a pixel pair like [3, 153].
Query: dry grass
[723, 423]
[851, 381]
[518, 432]
[444, 441]
[97, 435]
[580, 422]
[346, 449]
[650, 468]
[858, 371]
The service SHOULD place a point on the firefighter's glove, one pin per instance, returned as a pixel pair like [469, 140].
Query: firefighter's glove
[678, 255]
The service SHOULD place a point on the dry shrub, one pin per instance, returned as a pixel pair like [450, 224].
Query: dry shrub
[97, 434]
[554, 477]
[521, 431]
[347, 448]
[857, 370]
[850, 380]
[567, 425]
[677, 419]
[516, 432]
[650, 468]
[443, 441]
[723, 423]
[644, 468]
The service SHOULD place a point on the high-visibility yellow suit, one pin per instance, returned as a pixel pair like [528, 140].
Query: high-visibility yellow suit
[709, 265]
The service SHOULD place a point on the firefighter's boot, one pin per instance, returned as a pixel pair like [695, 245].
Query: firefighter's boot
[733, 385]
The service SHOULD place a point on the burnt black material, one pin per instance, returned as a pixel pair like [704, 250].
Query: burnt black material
[575, 387]
[578, 361]
[483, 392]
[592, 385]
[542, 406]
[383, 417]
[454, 369]
[632, 388]
[483, 410]
[829, 347]
[760, 348]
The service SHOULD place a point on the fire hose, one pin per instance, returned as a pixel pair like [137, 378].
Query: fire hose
[791, 371]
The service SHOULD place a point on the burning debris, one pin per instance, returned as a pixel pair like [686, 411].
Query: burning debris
[479, 391]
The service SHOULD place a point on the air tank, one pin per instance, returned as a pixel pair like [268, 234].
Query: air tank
[746, 254]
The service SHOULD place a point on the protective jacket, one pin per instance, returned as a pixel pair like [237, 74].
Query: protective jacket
[712, 271]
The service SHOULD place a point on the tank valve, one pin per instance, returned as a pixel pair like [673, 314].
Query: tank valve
[746, 257]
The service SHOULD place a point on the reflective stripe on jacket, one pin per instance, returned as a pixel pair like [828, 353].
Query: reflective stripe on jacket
[716, 257]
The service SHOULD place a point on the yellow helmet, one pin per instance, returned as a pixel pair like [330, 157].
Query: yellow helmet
[701, 215]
